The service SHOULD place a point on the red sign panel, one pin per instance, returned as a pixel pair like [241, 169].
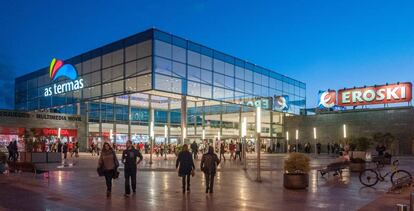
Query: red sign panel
[393, 93]
[55, 132]
[12, 131]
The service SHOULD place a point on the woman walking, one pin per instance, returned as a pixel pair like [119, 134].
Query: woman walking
[186, 164]
[108, 164]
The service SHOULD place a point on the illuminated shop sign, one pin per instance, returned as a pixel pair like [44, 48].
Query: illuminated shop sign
[58, 70]
[393, 93]
[281, 103]
[262, 103]
[371, 95]
[326, 99]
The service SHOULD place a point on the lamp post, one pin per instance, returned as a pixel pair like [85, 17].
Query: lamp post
[287, 142]
[297, 138]
[151, 140]
[258, 130]
[165, 141]
[314, 138]
[243, 134]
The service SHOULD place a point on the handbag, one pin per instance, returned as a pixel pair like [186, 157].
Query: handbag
[193, 173]
[100, 171]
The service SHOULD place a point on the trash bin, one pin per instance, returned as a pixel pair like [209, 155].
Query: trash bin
[402, 207]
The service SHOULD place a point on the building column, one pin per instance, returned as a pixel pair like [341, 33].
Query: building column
[221, 120]
[169, 121]
[271, 131]
[85, 143]
[150, 122]
[129, 118]
[195, 119]
[100, 120]
[203, 120]
[183, 118]
[114, 121]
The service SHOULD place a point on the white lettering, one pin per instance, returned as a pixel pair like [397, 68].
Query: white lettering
[402, 92]
[371, 96]
[380, 94]
[63, 88]
[391, 93]
[345, 97]
[356, 95]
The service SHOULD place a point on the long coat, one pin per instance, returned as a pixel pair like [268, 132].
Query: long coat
[185, 163]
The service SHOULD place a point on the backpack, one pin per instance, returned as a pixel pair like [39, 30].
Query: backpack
[209, 163]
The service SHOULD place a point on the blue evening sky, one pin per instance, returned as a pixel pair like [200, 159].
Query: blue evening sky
[324, 43]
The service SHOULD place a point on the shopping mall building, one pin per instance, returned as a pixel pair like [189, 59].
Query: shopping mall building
[183, 90]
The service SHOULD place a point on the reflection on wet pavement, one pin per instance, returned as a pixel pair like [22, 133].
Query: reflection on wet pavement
[77, 187]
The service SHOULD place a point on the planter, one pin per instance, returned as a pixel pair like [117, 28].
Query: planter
[54, 157]
[356, 167]
[295, 181]
[25, 157]
[39, 157]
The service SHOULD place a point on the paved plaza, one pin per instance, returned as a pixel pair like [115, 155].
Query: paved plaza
[79, 188]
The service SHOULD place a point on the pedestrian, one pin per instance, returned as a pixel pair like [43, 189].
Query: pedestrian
[239, 147]
[278, 147]
[318, 148]
[194, 149]
[222, 151]
[65, 151]
[186, 166]
[232, 148]
[329, 148]
[10, 150]
[208, 165]
[129, 159]
[108, 164]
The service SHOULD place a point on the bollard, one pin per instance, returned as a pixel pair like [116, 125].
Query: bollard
[402, 207]
[412, 201]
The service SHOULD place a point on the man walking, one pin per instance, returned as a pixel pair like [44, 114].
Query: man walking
[208, 165]
[129, 159]
[194, 149]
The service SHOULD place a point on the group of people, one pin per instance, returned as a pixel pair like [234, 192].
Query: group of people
[13, 151]
[131, 157]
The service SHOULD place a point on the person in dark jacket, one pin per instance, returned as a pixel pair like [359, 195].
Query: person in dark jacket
[65, 150]
[194, 149]
[109, 164]
[129, 159]
[185, 163]
[208, 165]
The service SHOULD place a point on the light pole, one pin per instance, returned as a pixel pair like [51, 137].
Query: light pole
[258, 130]
[314, 138]
[243, 134]
[151, 140]
[297, 138]
[287, 142]
[165, 141]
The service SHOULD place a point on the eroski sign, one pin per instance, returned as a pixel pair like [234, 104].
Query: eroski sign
[58, 70]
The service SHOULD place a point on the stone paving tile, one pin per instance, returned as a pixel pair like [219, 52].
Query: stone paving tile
[159, 188]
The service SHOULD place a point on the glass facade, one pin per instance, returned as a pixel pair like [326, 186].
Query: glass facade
[157, 77]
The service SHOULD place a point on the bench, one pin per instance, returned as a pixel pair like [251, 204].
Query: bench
[26, 167]
[336, 168]
[400, 183]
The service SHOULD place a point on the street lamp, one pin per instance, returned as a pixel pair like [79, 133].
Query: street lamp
[258, 130]
[297, 137]
[204, 134]
[344, 126]
[287, 141]
[314, 138]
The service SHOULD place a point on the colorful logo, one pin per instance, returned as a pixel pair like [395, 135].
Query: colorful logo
[58, 69]
[327, 99]
[281, 103]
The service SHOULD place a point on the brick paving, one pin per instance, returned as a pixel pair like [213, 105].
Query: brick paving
[79, 188]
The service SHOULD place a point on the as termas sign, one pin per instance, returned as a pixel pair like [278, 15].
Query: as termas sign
[58, 70]
[384, 94]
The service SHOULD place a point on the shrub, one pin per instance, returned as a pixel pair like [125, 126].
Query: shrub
[297, 163]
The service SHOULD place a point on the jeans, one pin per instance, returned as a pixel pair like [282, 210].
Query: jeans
[188, 176]
[130, 173]
[109, 174]
[209, 181]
